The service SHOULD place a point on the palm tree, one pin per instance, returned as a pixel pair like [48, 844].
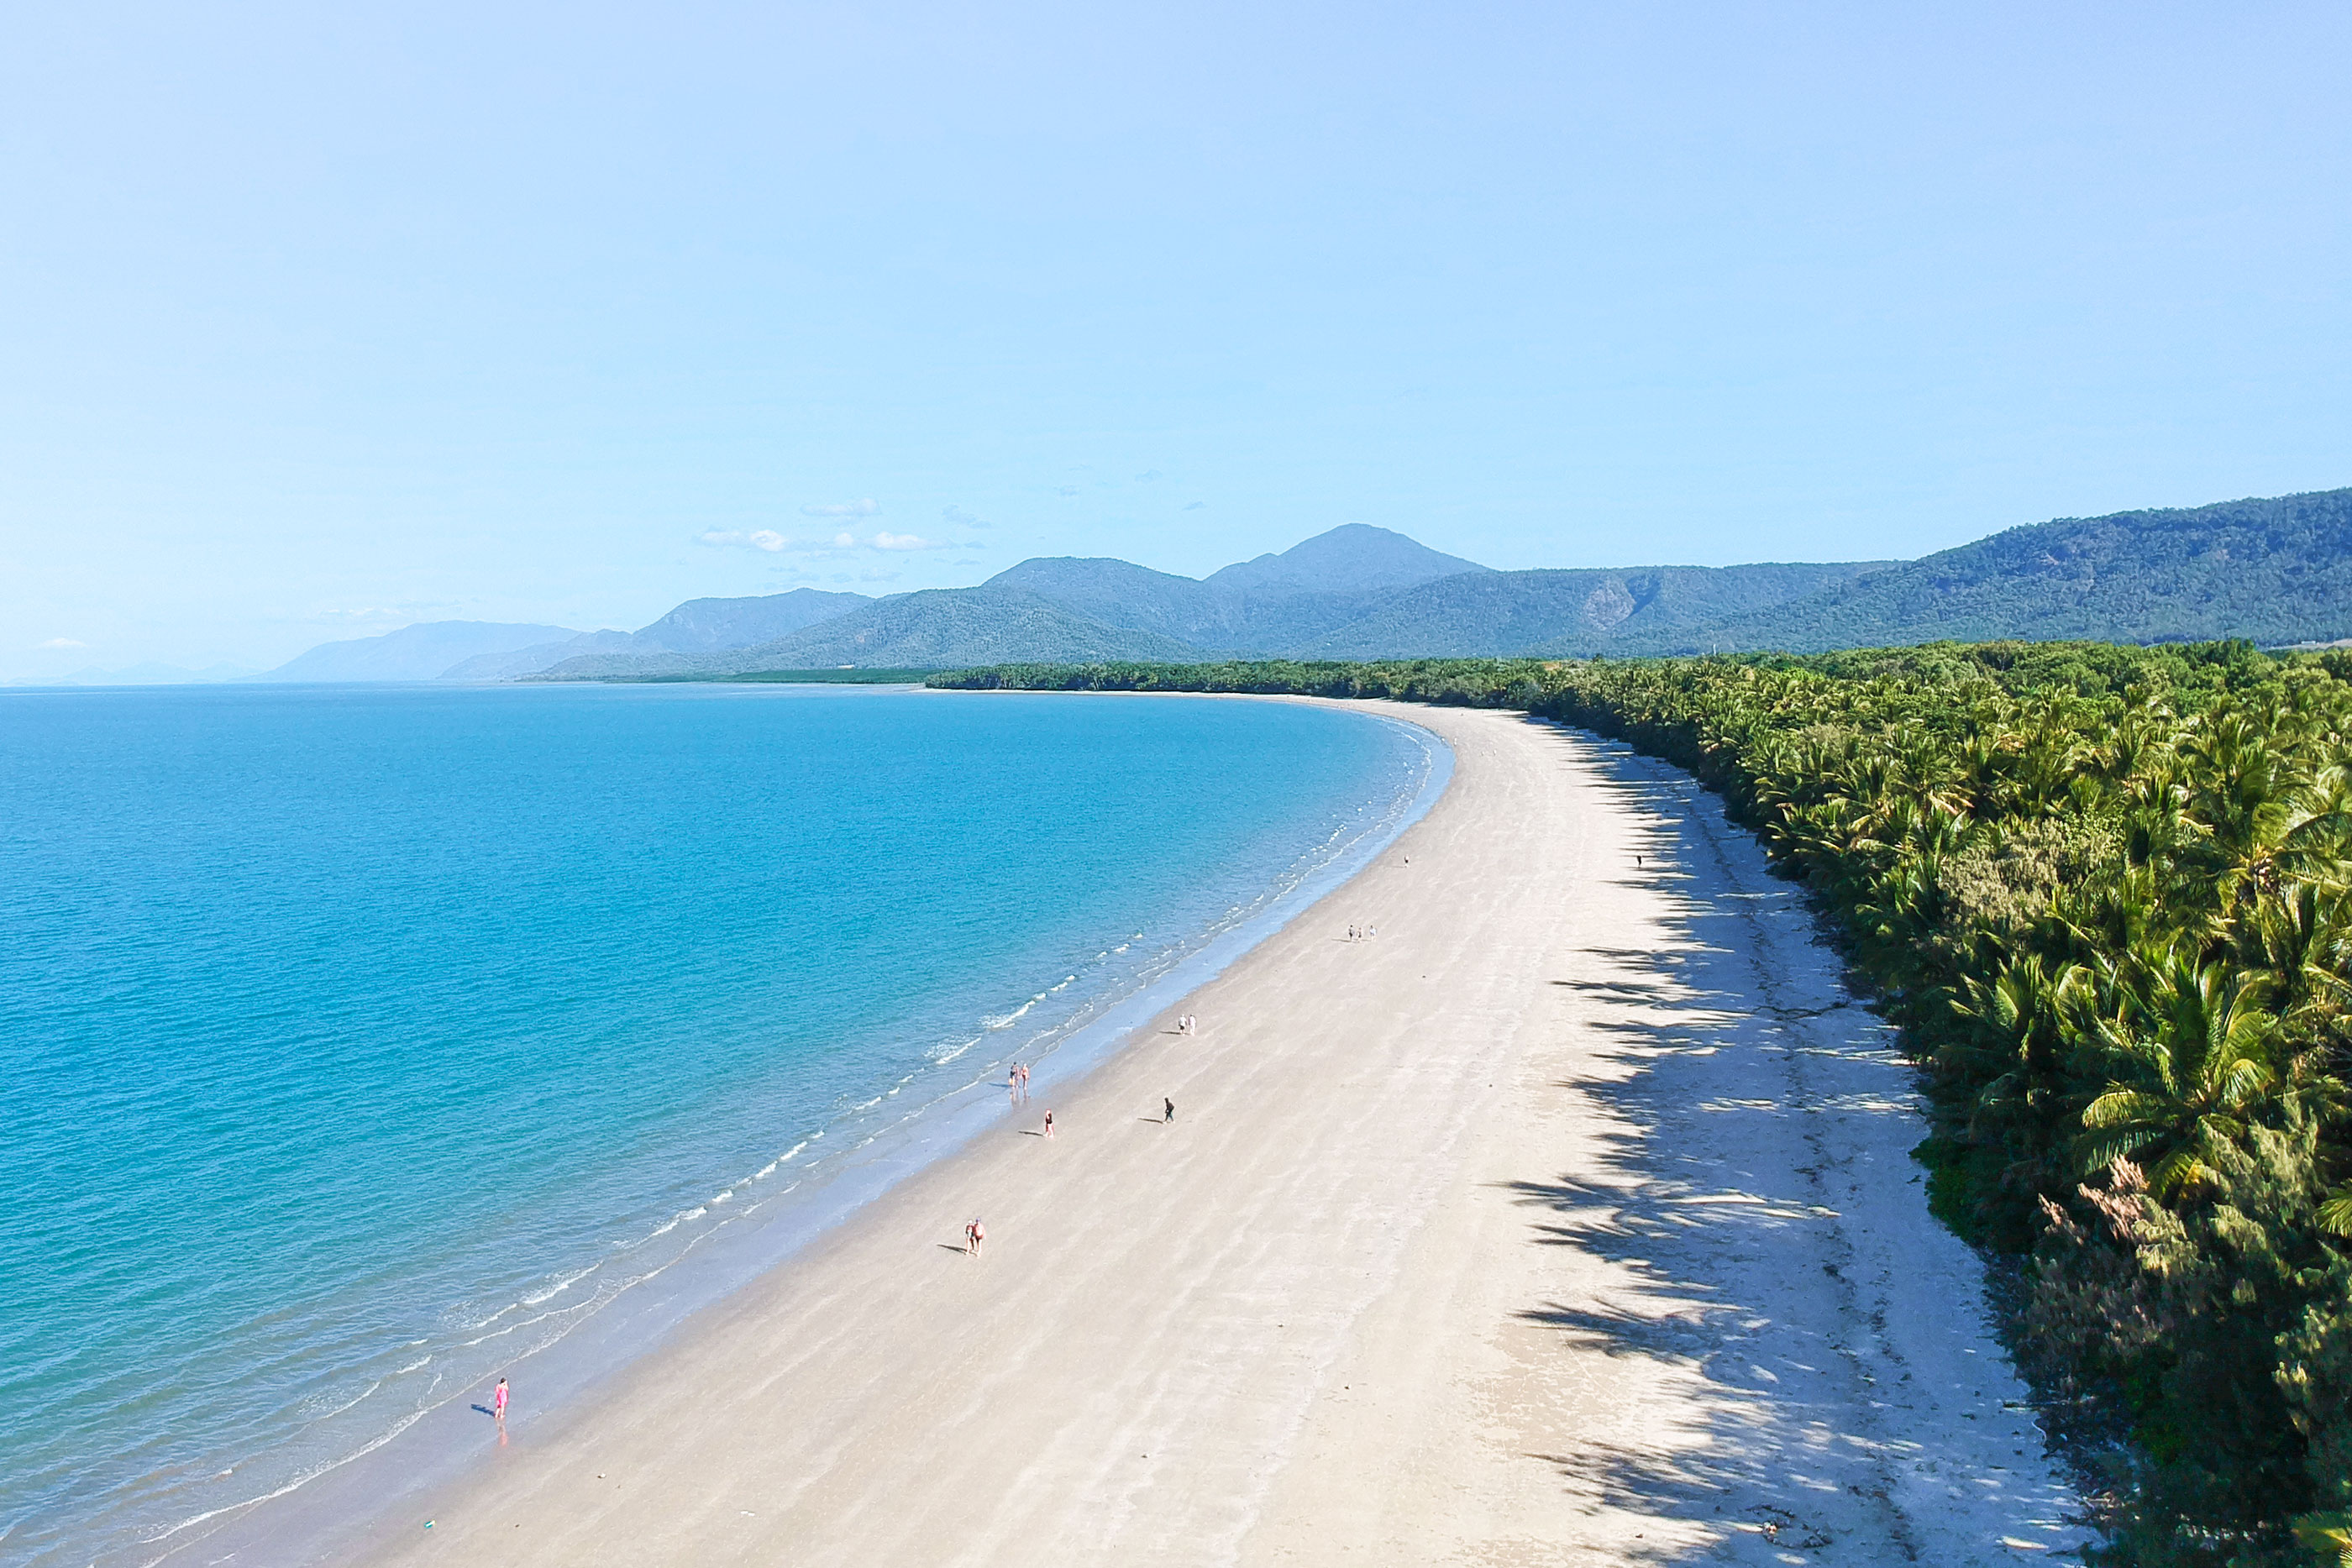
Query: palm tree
[2191, 1055]
[2036, 1007]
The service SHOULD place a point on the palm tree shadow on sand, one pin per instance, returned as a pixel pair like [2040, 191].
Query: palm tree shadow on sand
[1752, 1121]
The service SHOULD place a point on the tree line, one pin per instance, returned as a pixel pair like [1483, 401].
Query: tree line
[2106, 894]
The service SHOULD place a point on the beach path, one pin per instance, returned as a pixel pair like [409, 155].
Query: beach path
[1569, 1220]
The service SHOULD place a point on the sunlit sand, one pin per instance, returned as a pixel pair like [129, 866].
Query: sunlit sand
[1568, 1219]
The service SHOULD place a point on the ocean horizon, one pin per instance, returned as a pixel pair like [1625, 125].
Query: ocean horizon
[362, 1042]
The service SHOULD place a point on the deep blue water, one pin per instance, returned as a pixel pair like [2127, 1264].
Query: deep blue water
[354, 1042]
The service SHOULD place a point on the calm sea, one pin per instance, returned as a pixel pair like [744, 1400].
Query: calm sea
[356, 1043]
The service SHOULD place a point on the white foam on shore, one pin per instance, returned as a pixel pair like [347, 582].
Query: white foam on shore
[865, 1166]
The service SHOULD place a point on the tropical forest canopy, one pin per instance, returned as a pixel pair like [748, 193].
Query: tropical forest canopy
[2106, 893]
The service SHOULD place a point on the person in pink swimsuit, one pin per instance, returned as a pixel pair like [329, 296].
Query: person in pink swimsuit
[498, 1400]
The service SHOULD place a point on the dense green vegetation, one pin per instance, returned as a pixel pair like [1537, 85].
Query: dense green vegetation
[2103, 890]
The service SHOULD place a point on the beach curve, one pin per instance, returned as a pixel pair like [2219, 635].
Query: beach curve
[1566, 1219]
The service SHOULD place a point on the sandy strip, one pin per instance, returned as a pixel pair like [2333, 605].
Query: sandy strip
[1567, 1221]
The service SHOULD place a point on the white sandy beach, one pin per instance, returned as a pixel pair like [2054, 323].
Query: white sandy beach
[1569, 1220]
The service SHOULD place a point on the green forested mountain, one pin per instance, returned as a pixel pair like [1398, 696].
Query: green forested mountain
[1354, 557]
[929, 627]
[1567, 613]
[672, 645]
[2274, 571]
[1211, 614]
[709, 625]
[920, 630]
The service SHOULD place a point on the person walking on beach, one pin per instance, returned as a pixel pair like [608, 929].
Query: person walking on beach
[975, 1236]
[499, 1401]
[1049, 1124]
[1167, 1112]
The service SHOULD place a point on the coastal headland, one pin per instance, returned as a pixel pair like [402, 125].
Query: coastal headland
[1565, 1219]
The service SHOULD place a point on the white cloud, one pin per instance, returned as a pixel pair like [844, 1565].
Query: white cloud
[60, 642]
[868, 507]
[1066, 489]
[1194, 506]
[757, 538]
[956, 517]
[841, 543]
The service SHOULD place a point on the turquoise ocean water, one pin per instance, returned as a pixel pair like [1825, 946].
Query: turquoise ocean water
[357, 1042]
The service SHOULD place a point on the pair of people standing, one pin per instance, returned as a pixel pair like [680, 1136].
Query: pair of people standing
[1016, 1078]
[975, 1235]
[1188, 1024]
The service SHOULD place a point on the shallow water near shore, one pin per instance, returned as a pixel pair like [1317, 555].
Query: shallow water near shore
[359, 1041]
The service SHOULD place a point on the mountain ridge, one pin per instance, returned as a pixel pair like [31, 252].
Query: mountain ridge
[2277, 570]
[2274, 570]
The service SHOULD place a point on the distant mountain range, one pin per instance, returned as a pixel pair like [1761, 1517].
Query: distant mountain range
[2277, 571]
[418, 653]
[492, 650]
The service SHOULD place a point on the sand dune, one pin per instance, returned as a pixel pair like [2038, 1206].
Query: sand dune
[1567, 1221]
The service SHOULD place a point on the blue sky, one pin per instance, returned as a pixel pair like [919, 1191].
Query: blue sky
[320, 321]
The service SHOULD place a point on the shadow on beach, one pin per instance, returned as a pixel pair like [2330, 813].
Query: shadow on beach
[1756, 1202]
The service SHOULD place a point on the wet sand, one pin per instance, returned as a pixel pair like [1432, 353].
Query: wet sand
[1569, 1220]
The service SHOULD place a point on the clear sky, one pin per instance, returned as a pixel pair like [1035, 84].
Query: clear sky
[322, 319]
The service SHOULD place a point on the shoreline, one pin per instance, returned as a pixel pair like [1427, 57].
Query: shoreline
[1570, 1220]
[322, 1513]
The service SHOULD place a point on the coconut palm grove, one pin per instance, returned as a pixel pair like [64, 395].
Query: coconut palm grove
[2106, 891]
